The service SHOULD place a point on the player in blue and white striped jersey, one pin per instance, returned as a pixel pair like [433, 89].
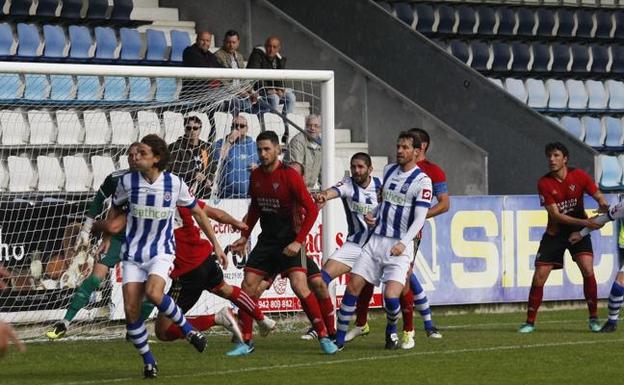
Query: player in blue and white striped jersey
[151, 196]
[386, 257]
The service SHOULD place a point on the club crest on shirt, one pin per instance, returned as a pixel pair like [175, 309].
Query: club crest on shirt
[404, 188]
[572, 187]
[275, 186]
[167, 196]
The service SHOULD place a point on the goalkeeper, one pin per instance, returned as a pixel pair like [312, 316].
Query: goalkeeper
[616, 296]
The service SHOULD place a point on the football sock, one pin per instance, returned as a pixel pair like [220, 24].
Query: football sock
[363, 302]
[345, 313]
[245, 303]
[174, 313]
[407, 309]
[421, 302]
[329, 314]
[138, 336]
[201, 323]
[393, 310]
[246, 323]
[616, 297]
[591, 295]
[81, 297]
[535, 300]
[326, 277]
[311, 308]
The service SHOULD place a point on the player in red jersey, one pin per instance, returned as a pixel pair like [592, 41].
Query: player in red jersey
[276, 192]
[561, 194]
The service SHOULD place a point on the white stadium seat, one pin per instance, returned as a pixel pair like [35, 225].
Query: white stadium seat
[14, 127]
[274, 122]
[4, 177]
[148, 123]
[51, 177]
[77, 174]
[42, 127]
[70, 129]
[123, 162]
[173, 123]
[223, 124]
[22, 176]
[123, 130]
[97, 130]
[102, 166]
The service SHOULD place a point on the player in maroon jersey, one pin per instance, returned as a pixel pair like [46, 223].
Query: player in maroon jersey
[561, 194]
[276, 192]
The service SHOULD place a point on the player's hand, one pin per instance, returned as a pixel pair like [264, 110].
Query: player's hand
[103, 247]
[221, 257]
[239, 246]
[85, 232]
[200, 177]
[240, 226]
[292, 249]
[575, 237]
[590, 224]
[397, 249]
[7, 334]
[370, 219]
[603, 208]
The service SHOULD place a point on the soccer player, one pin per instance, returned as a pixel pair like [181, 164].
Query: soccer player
[7, 333]
[561, 193]
[277, 191]
[386, 257]
[152, 195]
[413, 295]
[616, 296]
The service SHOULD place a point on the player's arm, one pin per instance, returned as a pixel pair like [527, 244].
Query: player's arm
[96, 207]
[603, 205]
[443, 205]
[114, 223]
[301, 194]
[204, 223]
[253, 214]
[615, 212]
[423, 203]
[223, 217]
[553, 212]
[326, 195]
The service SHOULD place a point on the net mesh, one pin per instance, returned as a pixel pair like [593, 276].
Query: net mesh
[61, 135]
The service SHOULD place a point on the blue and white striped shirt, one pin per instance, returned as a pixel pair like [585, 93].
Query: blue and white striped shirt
[358, 202]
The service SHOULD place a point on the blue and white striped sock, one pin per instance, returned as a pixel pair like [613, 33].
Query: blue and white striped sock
[138, 336]
[174, 313]
[616, 298]
[345, 314]
[421, 303]
[326, 277]
[393, 312]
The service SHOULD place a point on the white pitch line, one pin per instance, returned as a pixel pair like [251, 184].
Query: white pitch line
[361, 359]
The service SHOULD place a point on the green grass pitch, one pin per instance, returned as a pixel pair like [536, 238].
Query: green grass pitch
[476, 349]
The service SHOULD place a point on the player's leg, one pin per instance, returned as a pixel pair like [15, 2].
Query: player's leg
[361, 327]
[421, 304]
[616, 298]
[583, 254]
[407, 311]
[317, 284]
[252, 279]
[392, 305]
[394, 271]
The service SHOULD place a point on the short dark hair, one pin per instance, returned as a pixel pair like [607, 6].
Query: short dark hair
[230, 33]
[408, 135]
[159, 148]
[553, 146]
[422, 135]
[363, 157]
[192, 118]
[268, 135]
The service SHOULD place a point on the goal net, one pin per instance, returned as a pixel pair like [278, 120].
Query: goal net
[65, 128]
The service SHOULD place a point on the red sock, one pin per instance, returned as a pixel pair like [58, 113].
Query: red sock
[201, 323]
[174, 332]
[311, 308]
[407, 308]
[329, 314]
[246, 324]
[245, 303]
[361, 310]
[591, 295]
[535, 300]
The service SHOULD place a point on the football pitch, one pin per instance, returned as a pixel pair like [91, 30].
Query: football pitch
[476, 349]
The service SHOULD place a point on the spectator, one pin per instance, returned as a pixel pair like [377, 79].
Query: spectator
[237, 157]
[305, 148]
[190, 158]
[198, 54]
[229, 57]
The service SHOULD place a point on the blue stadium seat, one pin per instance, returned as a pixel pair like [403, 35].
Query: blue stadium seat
[487, 19]
[618, 17]
[55, 42]
[29, 40]
[7, 40]
[502, 56]
[617, 52]
[600, 59]
[460, 50]
[62, 87]
[20, 7]
[604, 24]
[115, 88]
[538, 96]
[561, 57]
[507, 21]
[580, 58]
[141, 89]
[179, 41]
[577, 94]
[545, 22]
[425, 17]
[573, 126]
[131, 44]
[122, 10]
[516, 88]
[156, 45]
[616, 94]
[467, 19]
[480, 55]
[598, 98]
[611, 176]
[105, 44]
[585, 21]
[541, 57]
[97, 10]
[614, 137]
[567, 22]
[594, 133]
[11, 87]
[521, 56]
[81, 42]
[71, 9]
[526, 21]
[36, 87]
[167, 89]
[404, 12]
[88, 88]
[557, 95]
[47, 8]
[446, 19]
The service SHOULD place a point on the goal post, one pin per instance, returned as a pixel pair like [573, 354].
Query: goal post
[62, 122]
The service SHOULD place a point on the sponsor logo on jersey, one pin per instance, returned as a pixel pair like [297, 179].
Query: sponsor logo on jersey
[426, 194]
[150, 212]
[394, 198]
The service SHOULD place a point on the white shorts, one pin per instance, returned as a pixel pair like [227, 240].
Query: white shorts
[161, 265]
[347, 254]
[376, 265]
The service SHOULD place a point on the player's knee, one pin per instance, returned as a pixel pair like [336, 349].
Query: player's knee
[154, 295]
[318, 286]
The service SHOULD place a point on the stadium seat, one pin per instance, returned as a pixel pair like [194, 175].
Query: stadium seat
[538, 96]
[604, 24]
[223, 124]
[106, 45]
[557, 95]
[446, 19]
[141, 89]
[51, 177]
[425, 17]
[553, 119]
[11, 87]
[594, 131]
[506, 21]
[102, 166]
[156, 45]
[78, 178]
[253, 124]
[614, 134]
[21, 8]
[611, 172]
[541, 57]
[98, 10]
[516, 88]
[148, 123]
[29, 41]
[275, 123]
[615, 88]
[167, 89]
[179, 41]
[55, 42]
[598, 97]
[4, 177]
[467, 20]
[14, 127]
[487, 20]
[122, 162]
[36, 87]
[460, 50]
[81, 42]
[526, 21]
[8, 43]
[22, 175]
[299, 119]
[122, 10]
[480, 55]
[73, 9]
[498, 82]
[48, 8]
[88, 88]
[173, 123]
[617, 53]
[404, 13]
[585, 24]
[567, 22]
[42, 127]
[580, 58]
[115, 88]
[132, 48]
[62, 88]
[545, 22]
[521, 56]
[561, 58]
[97, 129]
[501, 58]
[123, 130]
[577, 94]
[70, 128]
[618, 18]
[601, 59]
[573, 126]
